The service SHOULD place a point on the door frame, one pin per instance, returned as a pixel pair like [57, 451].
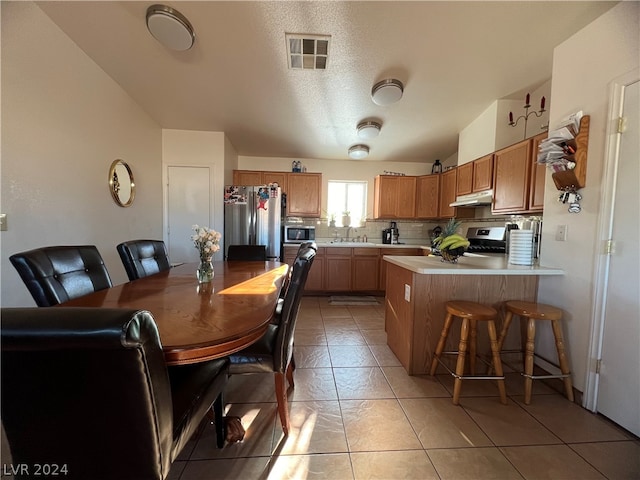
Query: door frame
[605, 229]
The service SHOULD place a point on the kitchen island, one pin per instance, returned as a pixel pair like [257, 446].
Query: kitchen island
[417, 288]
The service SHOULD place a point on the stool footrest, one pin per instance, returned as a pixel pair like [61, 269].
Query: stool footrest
[468, 377]
[539, 377]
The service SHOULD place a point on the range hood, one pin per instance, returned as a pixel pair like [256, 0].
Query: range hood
[478, 199]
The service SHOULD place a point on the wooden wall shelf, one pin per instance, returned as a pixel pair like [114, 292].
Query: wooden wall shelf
[576, 178]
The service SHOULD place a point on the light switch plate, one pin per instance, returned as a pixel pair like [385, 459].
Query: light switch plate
[407, 292]
[561, 233]
[3, 222]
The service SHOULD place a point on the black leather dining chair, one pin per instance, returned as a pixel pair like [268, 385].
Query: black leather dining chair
[247, 252]
[142, 258]
[56, 274]
[88, 390]
[274, 351]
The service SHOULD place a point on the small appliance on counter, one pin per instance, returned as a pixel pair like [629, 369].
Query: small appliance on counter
[390, 235]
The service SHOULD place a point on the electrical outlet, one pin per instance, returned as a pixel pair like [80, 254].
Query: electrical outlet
[407, 292]
[561, 233]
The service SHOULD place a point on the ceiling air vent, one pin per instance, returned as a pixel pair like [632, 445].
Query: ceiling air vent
[307, 52]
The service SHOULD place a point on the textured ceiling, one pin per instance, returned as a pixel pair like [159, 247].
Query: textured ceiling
[454, 58]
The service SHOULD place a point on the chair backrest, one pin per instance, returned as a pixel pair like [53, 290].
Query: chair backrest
[142, 258]
[54, 275]
[283, 350]
[87, 387]
[247, 252]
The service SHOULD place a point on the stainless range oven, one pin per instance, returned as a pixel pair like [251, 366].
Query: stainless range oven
[487, 240]
[299, 233]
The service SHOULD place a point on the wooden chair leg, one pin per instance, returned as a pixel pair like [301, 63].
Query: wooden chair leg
[505, 328]
[562, 358]
[283, 404]
[289, 372]
[528, 360]
[218, 415]
[473, 342]
[497, 363]
[462, 352]
[441, 343]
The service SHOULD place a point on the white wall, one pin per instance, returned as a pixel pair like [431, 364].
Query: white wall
[63, 122]
[583, 67]
[479, 137]
[196, 148]
[491, 130]
[337, 170]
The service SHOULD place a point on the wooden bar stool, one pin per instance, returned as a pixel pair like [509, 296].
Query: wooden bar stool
[537, 311]
[470, 313]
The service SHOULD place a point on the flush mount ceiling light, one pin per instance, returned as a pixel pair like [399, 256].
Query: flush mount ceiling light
[358, 152]
[170, 27]
[369, 129]
[387, 91]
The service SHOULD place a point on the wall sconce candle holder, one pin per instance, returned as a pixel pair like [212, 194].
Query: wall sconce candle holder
[527, 114]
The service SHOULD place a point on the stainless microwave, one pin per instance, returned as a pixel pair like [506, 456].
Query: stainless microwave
[299, 233]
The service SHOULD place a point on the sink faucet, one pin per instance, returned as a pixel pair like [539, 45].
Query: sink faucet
[348, 230]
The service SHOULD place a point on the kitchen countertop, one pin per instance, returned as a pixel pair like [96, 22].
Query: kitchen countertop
[469, 265]
[359, 245]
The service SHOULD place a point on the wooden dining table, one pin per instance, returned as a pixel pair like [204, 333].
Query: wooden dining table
[199, 322]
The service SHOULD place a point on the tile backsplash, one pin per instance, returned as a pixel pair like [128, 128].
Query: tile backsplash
[411, 232]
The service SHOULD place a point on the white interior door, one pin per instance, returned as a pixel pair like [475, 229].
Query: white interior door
[618, 395]
[188, 204]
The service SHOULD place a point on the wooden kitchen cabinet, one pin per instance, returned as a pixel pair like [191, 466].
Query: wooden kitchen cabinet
[365, 269]
[247, 177]
[394, 196]
[337, 269]
[482, 174]
[518, 184]
[408, 251]
[427, 196]
[304, 194]
[315, 279]
[276, 177]
[464, 184]
[539, 171]
[476, 176]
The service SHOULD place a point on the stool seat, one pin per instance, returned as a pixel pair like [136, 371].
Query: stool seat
[470, 313]
[533, 311]
[471, 310]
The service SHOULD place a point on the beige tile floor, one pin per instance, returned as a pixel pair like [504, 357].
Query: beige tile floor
[356, 414]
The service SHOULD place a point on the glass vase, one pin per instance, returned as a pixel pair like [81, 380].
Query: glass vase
[205, 272]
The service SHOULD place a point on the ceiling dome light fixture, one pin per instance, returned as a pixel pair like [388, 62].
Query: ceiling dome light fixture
[170, 27]
[369, 130]
[387, 91]
[358, 152]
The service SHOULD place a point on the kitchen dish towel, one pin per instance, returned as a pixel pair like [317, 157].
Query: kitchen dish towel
[521, 247]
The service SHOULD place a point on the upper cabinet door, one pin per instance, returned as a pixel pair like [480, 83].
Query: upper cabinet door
[394, 196]
[427, 196]
[511, 178]
[538, 177]
[482, 173]
[247, 177]
[447, 193]
[465, 179]
[303, 195]
[276, 177]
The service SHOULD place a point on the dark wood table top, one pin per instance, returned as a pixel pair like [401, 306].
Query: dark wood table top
[199, 322]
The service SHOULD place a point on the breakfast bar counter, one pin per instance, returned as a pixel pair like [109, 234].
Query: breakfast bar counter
[417, 288]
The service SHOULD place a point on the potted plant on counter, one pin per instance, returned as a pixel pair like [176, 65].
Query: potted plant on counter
[450, 243]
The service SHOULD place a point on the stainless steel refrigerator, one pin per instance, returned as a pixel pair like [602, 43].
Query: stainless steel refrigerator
[252, 216]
